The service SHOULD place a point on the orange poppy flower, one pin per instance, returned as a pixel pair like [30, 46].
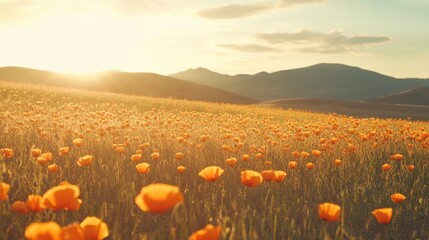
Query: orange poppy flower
[4, 191]
[209, 232]
[211, 173]
[53, 168]
[245, 157]
[143, 168]
[48, 156]
[181, 169]
[179, 156]
[337, 162]
[296, 154]
[397, 198]
[35, 152]
[292, 165]
[120, 150]
[155, 155]
[62, 197]
[251, 178]
[203, 138]
[268, 175]
[386, 167]
[383, 215]
[73, 231]
[43, 231]
[64, 151]
[279, 176]
[397, 157]
[19, 207]
[85, 160]
[78, 142]
[136, 157]
[268, 163]
[158, 198]
[305, 154]
[94, 228]
[6, 152]
[259, 156]
[316, 153]
[41, 160]
[329, 212]
[309, 165]
[35, 203]
[231, 161]
[410, 168]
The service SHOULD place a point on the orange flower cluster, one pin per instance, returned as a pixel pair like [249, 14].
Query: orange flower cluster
[90, 228]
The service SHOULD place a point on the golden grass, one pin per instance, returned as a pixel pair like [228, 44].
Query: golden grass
[208, 134]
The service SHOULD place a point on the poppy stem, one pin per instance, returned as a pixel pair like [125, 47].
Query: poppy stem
[342, 214]
[275, 227]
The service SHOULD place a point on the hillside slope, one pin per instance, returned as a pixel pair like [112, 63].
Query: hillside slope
[415, 96]
[147, 84]
[352, 108]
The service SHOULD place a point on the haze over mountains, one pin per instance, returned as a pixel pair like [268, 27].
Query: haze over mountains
[328, 81]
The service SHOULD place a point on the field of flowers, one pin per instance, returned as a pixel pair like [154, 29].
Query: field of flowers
[85, 165]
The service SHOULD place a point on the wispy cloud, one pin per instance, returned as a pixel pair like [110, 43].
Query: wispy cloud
[286, 3]
[17, 10]
[327, 43]
[248, 47]
[233, 11]
[240, 11]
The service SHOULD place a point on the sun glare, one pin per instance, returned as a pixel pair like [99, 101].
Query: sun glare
[77, 43]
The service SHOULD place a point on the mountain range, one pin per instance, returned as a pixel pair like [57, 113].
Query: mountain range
[327, 81]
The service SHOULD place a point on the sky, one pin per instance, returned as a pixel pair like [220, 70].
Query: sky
[232, 37]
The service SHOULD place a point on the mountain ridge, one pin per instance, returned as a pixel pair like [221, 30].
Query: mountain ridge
[323, 80]
[147, 84]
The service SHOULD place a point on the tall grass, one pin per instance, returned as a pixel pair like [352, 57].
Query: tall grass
[50, 118]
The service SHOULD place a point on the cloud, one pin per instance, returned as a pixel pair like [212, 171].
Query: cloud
[15, 10]
[248, 47]
[233, 11]
[27, 10]
[240, 11]
[327, 43]
[287, 3]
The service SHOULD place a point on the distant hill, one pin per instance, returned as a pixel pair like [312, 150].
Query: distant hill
[415, 96]
[327, 81]
[147, 84]
[202, 76]
[352, 108]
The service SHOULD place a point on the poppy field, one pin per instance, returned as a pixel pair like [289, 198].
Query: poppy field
[86, 165]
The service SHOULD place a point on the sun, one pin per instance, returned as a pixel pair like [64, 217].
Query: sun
[73, 43]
